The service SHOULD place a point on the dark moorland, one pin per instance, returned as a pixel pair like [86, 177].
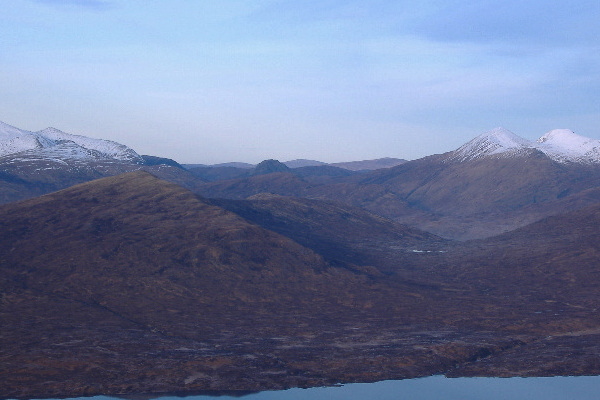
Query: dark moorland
[131, 284]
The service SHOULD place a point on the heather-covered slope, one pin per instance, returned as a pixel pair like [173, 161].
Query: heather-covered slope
[130, 284]
[151, 239]
[551, 269]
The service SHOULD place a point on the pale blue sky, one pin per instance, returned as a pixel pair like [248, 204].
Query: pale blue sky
[207, 82]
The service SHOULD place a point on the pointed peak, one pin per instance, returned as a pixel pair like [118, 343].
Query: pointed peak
[495, 141]
[504, 137]
[270, 166]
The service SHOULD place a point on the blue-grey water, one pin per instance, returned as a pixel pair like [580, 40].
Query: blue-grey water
[435, 387]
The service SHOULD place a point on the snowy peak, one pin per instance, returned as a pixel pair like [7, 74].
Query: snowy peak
[565, 136]
[564, 145]
[100, 147]
[561, 145]
[496, 141]
[54, 143]
[15, 140]
[9, 130]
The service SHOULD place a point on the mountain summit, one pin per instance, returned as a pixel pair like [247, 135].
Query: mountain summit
[496, 141]
[35, 163]
[270, 166]
[53, 143]
[564, 145]
[560, 145]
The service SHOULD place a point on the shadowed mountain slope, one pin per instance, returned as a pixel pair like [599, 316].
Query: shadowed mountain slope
[25, 176]
[339, 232]
[282, 183]
[484, 196]
[212, 174]
[379, 163]
[317, 174]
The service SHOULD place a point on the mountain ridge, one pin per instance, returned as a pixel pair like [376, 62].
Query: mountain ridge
[36, 163]
[17, 141]
[496, 182]
[560, 145]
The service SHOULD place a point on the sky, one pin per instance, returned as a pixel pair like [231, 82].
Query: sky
[247, 80]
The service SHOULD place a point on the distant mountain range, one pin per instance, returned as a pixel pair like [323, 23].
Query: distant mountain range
[561, 145]
[494, 183]
[364, 165]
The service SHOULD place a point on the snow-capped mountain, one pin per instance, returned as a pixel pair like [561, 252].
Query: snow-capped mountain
[560, 145]
[36, 163]
[54, 144]
[564, 145]
[496, 141]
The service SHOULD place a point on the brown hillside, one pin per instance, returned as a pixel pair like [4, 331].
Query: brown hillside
[151, 238]
[130, 284]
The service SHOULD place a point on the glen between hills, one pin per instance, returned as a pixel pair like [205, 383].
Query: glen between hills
[130, 284]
